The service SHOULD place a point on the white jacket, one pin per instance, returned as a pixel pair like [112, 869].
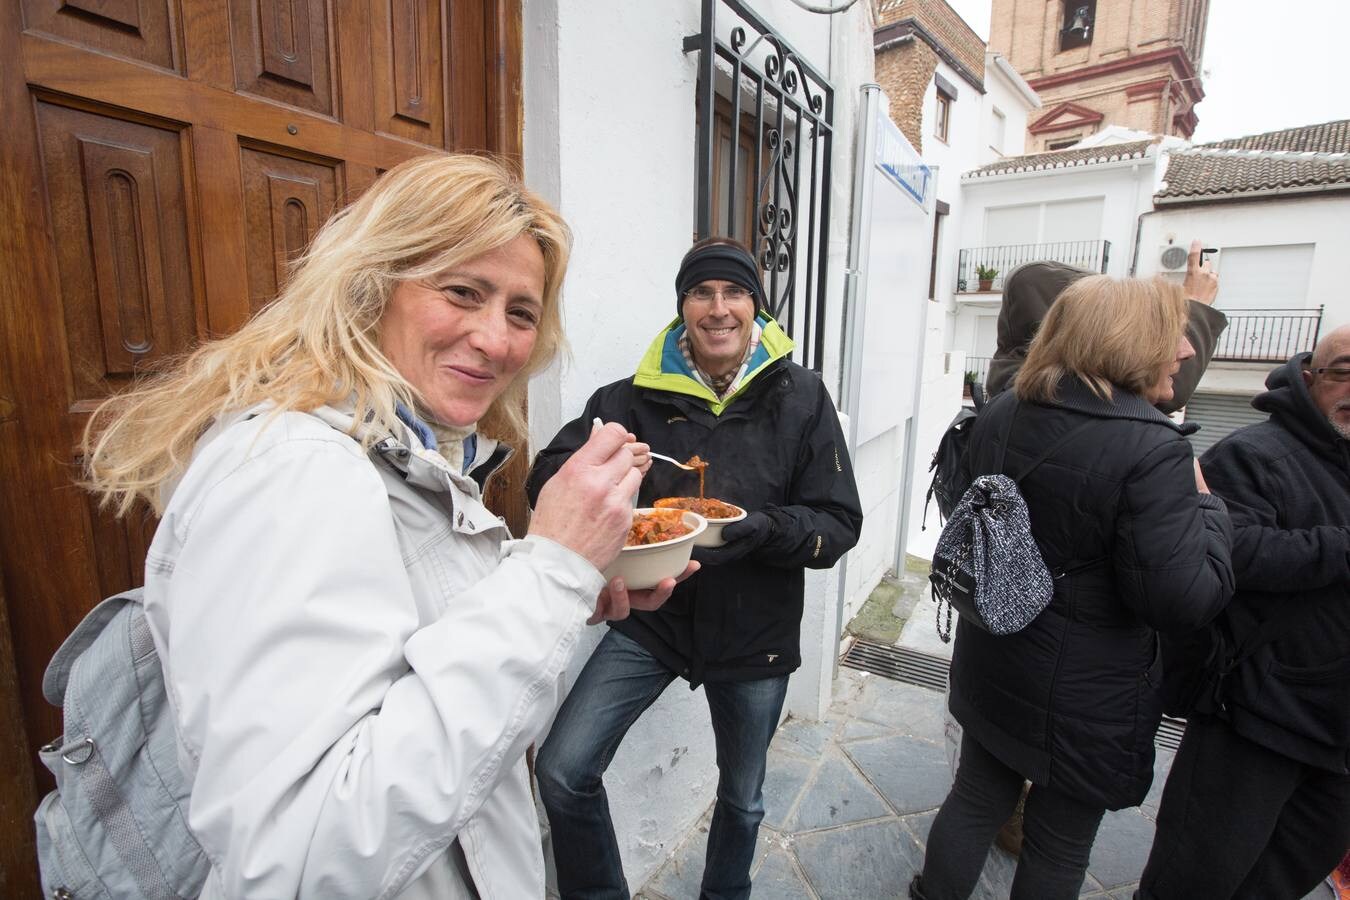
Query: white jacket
[353, 689]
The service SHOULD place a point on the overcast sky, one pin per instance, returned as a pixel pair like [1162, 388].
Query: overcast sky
[1266, 66]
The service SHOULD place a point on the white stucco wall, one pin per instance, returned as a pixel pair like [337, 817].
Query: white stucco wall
[610, 137]
[1010, 98]
[938, 404]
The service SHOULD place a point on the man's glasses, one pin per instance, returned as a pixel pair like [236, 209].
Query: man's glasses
[1333, 373]
[731, 294]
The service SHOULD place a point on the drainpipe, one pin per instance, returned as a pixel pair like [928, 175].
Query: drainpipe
[1138, 230]
[1139, 220]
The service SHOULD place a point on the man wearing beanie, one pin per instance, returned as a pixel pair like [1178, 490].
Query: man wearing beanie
[716, 382]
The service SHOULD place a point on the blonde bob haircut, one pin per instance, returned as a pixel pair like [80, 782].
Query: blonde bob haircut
[1110, 332]
[317, 343]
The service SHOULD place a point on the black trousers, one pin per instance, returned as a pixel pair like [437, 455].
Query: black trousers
[1058, 831]
[1240, 821]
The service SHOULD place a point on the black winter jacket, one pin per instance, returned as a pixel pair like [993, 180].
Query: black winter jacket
[776, 448]
[1287, 485]
[1072, 701]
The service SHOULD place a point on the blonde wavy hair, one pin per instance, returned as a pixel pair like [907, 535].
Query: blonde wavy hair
[318, 341]
[1110, 332]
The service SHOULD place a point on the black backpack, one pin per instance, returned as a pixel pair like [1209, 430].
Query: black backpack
[951, 475]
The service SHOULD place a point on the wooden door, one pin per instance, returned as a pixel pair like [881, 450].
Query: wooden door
[162, 159]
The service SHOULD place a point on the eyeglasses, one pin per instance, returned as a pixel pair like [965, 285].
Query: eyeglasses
[1333, 373]
[731, 293]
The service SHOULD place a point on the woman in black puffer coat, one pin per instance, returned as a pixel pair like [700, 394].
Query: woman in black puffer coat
[1122, 516]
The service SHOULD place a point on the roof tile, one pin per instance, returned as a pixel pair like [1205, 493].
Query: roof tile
[1061, 159]
[1311, 157]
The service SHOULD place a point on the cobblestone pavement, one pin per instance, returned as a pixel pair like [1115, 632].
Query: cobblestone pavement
[849, 801]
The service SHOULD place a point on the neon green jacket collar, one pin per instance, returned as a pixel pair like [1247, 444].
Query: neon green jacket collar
[663, 367]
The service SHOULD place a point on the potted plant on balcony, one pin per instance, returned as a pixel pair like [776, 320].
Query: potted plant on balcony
[986, 276]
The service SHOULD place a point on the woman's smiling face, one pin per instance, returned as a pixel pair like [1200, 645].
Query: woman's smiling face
[460, 337]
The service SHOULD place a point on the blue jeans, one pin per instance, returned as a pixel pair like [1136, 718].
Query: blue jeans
[618, 683]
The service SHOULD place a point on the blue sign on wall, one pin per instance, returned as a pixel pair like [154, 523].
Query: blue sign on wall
[898, 159]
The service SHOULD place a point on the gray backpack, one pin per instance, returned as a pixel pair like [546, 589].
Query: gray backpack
[987, 566]
[116, 825]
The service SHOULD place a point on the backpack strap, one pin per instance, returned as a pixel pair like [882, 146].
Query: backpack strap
[1062, 570]
[1007, 434]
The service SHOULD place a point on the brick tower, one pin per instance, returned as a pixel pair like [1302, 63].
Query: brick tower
[1095, 63]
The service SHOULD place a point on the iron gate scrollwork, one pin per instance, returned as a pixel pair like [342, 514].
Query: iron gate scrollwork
[791, 114]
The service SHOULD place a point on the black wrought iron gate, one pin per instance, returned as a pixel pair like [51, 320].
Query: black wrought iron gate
[787, 106]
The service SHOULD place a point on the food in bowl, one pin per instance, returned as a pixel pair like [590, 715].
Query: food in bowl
[656, 526]
[643, 566]
[707, 507]
[717, 513]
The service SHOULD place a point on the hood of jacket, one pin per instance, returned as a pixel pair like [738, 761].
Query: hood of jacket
[1028, 292]
[663, 366]
[1289, 402]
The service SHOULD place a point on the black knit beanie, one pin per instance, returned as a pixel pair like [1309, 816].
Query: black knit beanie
[723, 262]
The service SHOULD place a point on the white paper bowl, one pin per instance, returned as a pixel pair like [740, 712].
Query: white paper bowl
[712, 535]
[644, 566]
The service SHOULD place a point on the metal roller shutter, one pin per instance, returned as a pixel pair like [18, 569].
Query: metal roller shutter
[1217, 415]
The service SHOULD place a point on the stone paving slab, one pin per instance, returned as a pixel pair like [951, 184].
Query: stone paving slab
[784, 782]
[906, 708]
[779, 879]
[920, 783]
[839, 795]
[872, 860]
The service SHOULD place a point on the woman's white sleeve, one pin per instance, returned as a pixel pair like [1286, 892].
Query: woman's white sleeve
[337, 743]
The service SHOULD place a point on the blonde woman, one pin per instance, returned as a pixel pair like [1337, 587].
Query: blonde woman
[357, 653]
[1137, 544]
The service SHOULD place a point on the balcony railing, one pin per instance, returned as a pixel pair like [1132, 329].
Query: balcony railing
[977, 371]
[1268, 335]
[1090, 255]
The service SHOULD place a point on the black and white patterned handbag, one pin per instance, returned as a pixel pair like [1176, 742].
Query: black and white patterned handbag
[987, 566]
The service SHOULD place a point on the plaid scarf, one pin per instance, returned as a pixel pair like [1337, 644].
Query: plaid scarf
[722, 385]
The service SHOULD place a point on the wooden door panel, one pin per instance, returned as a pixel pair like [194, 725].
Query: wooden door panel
[410, 71]
[119, 545]
[118, 216]
[281, 51]
[144, 30]
[285, 202]
[470, 73]
[61, 68]
[163, 160]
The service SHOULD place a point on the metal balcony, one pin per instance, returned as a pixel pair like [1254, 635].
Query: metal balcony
[1268, 335]
[1090, 255]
